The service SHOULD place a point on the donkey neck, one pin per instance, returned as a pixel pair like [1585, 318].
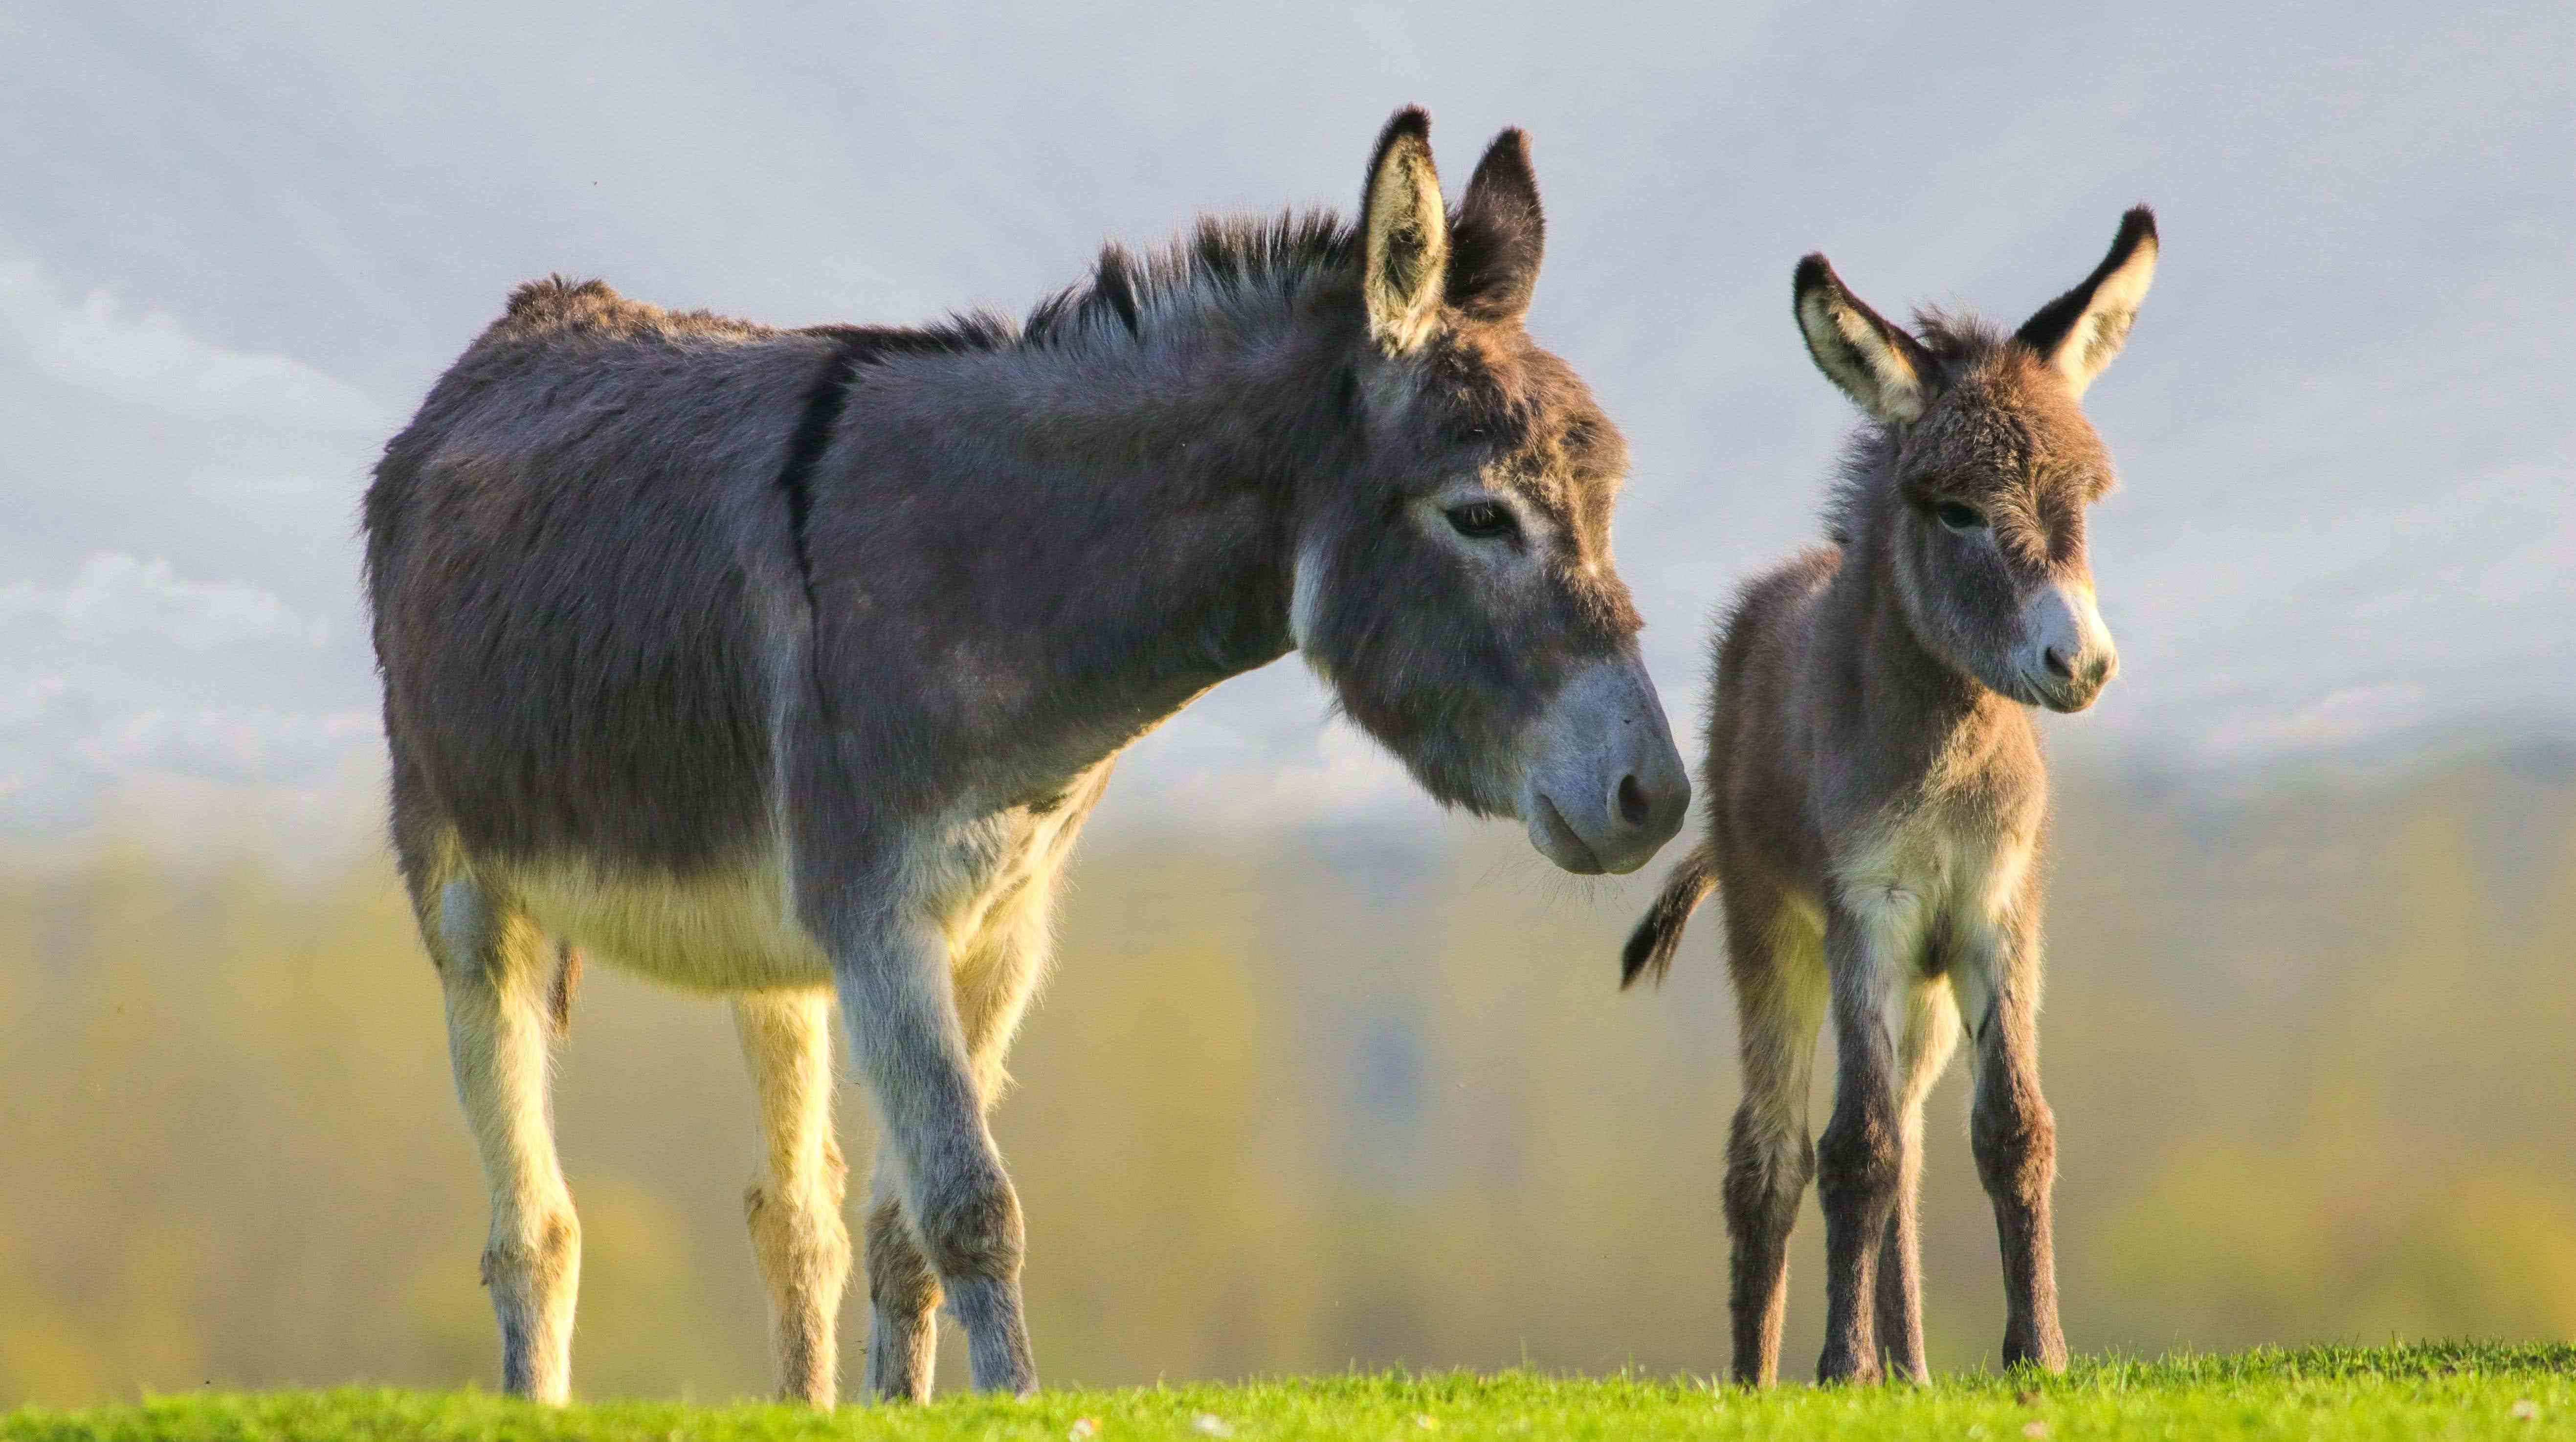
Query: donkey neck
[1085, 531]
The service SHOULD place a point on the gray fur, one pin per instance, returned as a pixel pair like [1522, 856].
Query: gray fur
[1875, 796]
[764, 660]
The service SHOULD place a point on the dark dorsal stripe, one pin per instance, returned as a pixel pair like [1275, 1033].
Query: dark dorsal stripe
[823, 401]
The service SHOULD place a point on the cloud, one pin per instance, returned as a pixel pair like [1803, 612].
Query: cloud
[239, 746]
[71, 759]
[150, 358]
[116, 596]
[32, 718]
[176, 574]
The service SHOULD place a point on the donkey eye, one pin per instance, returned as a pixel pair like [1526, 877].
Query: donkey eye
[1482, 520]
[1958, 517]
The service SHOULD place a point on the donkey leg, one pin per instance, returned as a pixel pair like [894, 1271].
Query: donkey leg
[1779, 1003]
[1931, 1034]
[899, 1002]
[797, 1234]
[994, 981]
[1859, 1158]
[903, 1294]
[2014, 1135]
[493, 965]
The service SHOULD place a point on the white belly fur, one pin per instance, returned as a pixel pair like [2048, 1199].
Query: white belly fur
[732, 930]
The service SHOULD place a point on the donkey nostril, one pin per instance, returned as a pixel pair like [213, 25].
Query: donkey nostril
[2058, 664]
[1633, 806]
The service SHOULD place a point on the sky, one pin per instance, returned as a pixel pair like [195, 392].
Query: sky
[237, 242]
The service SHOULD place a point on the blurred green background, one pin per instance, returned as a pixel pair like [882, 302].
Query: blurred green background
[1311, 1099]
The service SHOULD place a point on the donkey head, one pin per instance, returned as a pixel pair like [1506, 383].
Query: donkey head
[1978, 486]
[1456, 587]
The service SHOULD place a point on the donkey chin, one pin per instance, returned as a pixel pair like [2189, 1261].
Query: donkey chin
[1604, 789]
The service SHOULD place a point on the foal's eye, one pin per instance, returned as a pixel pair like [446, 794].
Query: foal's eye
[1482, 520]
[1958, 517]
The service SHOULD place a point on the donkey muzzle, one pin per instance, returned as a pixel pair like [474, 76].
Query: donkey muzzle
[2066, 652]
[1606, 789]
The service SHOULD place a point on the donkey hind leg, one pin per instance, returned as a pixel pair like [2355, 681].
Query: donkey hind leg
[495, 968]
[1780, 1002]
[994, 980]
[797, 1234]
[1922, 1053]
[2014, 1136]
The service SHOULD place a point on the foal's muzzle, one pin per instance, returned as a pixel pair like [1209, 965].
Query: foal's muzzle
[1606, 789]
[2066, 656]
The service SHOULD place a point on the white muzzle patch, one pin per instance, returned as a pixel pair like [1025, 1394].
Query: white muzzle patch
[2066, 656]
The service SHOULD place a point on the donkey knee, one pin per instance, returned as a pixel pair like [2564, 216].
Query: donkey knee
[1766, 1175]
[537, 1258]
[901, 1282]
[1860, 1157]
[2016, 1147]
[972, 1228]
[801, 1243]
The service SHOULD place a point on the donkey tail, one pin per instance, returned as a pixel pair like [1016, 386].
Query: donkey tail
[567, 981]
[1652, 944]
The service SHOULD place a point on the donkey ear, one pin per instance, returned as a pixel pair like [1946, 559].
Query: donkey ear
[1887, 371]
[1404, 236]
[2079, 332]
[1501, 235]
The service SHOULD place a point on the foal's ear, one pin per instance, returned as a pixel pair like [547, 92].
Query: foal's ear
[1404, 236]
[1875, 363]
[2079, 332]
[1494, 254]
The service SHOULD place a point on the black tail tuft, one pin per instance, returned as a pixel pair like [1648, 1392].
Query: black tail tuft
[1652, 944]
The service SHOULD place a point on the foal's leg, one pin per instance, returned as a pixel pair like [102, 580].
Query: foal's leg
[1779, 978]
[797, 1234]
[1931, 1034]
[994, 981]
[494, 967]
[2014, 1134]
[1870, 943]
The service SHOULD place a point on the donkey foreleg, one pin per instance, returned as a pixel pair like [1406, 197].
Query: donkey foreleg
[1860, 1158]
[1931, 1034]
[797, 1233]
[899, 1003]
[494, 967]
[2014, 1135]
[994, 979]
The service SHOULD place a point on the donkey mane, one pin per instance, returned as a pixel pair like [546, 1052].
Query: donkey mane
[1222, 260]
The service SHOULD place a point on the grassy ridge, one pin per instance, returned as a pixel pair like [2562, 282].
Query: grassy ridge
[2441, 1391]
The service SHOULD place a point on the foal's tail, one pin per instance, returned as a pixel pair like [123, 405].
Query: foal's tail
[1652, 944]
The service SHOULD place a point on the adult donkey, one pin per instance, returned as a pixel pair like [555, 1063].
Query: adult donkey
[1875, 797]
[774, 662]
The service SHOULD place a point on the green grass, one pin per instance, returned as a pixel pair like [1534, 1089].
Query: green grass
[2444, 1391]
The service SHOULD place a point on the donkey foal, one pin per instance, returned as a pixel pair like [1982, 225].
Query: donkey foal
[1875, 797]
